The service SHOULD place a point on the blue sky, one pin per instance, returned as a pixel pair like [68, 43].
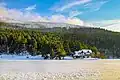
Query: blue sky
[97, 13]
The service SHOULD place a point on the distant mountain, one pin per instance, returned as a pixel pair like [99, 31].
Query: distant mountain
[42, 25]
[29, 24]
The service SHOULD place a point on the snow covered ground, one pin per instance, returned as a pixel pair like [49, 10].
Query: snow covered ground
[16, 57]
[39, 57]
[60, 70]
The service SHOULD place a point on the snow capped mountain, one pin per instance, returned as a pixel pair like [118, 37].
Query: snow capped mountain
[28, 24]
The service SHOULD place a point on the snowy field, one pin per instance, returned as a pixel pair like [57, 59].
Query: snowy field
[60, 70]
[16, 57]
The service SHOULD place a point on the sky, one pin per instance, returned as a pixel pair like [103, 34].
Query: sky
[93, 13]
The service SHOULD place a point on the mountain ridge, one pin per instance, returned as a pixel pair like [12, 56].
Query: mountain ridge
[32, 24]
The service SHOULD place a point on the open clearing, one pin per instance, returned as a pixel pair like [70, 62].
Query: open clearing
[60, 70]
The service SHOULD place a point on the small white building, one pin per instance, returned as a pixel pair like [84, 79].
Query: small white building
[84, 53]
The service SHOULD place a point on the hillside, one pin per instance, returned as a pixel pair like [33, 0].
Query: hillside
[41, 25]
[64, 40]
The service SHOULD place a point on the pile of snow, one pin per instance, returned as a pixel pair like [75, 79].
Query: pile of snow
[68, 58]
[91, 58]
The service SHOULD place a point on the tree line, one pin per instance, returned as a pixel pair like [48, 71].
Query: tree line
[36, 43]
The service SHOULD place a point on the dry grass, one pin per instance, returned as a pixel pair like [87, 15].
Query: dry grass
[60, 70]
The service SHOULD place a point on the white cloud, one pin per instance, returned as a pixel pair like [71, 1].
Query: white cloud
[29, 15]
[113, 25]
[63, 19]
[77, 7]
[95, 6]
[31, 8]
[16, 14]
[76, 21]
[72, 4]
[74, 13]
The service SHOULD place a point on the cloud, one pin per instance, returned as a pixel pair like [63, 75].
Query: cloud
[113, 25]
[72, 4]
[63, 19]
[77, 7]
[74, 13]
[29, 15]
[31, 8]
[95, 6]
